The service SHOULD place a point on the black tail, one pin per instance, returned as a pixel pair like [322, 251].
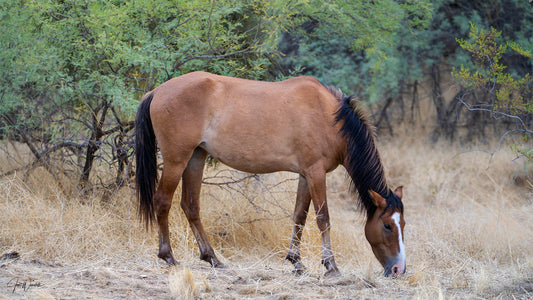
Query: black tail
[146, 161]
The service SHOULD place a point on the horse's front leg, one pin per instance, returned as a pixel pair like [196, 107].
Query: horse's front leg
[303, 199]
[317, 187]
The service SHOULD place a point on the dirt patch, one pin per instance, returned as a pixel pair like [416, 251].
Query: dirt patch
[21, 278]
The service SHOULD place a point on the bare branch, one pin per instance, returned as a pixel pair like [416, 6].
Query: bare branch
[494, 112]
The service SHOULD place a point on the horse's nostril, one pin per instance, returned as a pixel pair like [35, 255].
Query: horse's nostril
[395, 270]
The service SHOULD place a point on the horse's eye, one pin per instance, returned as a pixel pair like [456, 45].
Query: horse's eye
[387, 227]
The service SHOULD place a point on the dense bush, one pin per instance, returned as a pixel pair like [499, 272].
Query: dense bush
[418, 52]
[72, 71]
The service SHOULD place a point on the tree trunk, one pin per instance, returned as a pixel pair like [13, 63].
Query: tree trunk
[93, 146]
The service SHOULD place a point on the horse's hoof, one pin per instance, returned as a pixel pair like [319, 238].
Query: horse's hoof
[169, 259]
[299, 269]
[333, 273]
[215, 263]
[299, 272]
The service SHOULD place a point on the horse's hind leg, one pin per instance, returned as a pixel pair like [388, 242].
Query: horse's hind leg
[190, 203]
[301, 208]
[162, 202]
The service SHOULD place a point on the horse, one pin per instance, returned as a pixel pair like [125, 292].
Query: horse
[298, 125]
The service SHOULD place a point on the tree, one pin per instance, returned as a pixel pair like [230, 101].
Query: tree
[72, 71]
[418, 49]
[344, 42]
[505, 95]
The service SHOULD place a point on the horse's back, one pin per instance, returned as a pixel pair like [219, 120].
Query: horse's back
[253, 126]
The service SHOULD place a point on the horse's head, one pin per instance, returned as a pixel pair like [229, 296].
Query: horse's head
[384, 232]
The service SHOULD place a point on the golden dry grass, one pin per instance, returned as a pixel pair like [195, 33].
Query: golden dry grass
[468, 235]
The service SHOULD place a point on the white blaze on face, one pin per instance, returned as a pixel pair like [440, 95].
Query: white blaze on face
[401, 255]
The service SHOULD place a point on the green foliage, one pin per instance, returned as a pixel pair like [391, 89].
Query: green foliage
[379, 49]
[507, 94]
[521, 151]
[353, 44]
[512, 93]
[86, 51]
[72, 72]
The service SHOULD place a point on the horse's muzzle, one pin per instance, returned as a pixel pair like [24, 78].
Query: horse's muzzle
[394, 268]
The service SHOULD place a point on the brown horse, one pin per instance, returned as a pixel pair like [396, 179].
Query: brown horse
[296, 125]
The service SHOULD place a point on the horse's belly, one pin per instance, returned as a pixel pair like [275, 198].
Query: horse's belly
[251, 156]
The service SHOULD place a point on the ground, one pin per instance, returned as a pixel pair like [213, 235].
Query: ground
[468, 236]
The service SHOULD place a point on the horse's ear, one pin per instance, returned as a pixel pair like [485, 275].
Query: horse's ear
[399, 191]
[378, 200]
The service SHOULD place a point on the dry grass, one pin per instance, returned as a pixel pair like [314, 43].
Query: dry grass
[468, 235]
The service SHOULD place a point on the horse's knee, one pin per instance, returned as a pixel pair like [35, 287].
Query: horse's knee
[299, 219]
[323, 222]
[162, 204]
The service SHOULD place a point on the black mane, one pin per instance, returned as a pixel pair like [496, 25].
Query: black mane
[363, 162]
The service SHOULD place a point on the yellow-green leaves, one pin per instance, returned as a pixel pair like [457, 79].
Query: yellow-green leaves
[512, 93]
